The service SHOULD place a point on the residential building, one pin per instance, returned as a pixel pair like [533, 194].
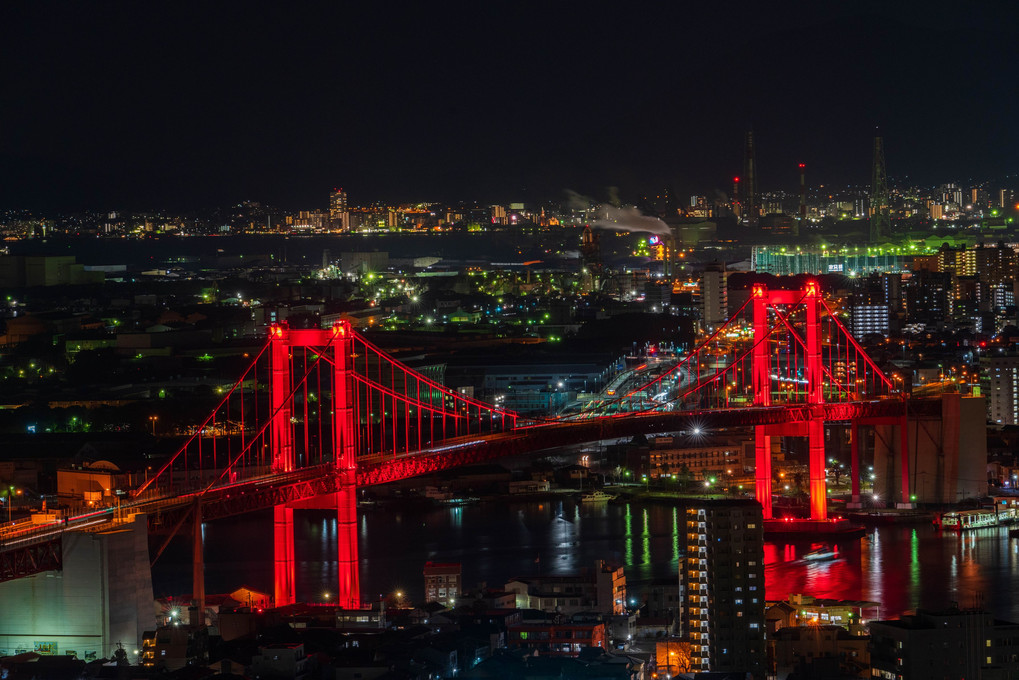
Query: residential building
[696, 458]
[808, 645]
[556, 638]
[280, 661]
[442, 582]
[714, 295]
[337, 204]
[955, 643]
[1001, 374]
[602, 589]
[724, 573]
[870, 319]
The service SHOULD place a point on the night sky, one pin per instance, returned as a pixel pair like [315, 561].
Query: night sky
[152, 105]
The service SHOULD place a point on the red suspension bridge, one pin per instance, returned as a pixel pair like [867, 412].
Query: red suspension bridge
[319, 413]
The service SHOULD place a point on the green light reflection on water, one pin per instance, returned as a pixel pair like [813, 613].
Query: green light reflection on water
[629, 537]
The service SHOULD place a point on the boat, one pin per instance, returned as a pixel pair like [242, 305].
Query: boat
[975, 519]
[598, 496]
[824, 552]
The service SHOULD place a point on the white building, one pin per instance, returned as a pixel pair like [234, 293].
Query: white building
[714, 296]
[867, 319]
[1002, 374]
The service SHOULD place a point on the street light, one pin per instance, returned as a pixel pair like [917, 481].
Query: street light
[10, 504]
[153, 419]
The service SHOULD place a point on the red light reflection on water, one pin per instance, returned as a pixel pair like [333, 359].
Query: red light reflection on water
[902, 568]
[786, 572]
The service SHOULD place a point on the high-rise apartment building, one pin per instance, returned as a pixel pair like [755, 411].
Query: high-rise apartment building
[337, 203]
[499, 215]
[1001, 374]
[714, 295]
[724, 575]
[870, 319]
[929, 299]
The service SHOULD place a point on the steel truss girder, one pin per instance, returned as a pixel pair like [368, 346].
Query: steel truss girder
[242, 498]
[324, 479]
[30, 559]
[471, 450]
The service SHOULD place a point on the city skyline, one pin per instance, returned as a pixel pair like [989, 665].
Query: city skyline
[188, 106]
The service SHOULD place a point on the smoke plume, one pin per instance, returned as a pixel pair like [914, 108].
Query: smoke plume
[625, 218]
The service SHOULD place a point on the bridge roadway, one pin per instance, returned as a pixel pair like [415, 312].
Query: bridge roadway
[22, 546]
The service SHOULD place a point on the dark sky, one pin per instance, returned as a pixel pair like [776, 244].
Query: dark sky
[180, 105]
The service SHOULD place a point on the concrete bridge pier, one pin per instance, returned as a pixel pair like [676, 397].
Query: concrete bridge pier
[945, 457]
[101, 598]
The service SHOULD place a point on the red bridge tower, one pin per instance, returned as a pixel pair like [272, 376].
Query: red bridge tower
[336, 341]
[813, 428]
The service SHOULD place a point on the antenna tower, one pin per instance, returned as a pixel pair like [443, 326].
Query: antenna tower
[750, 183]
[880, 223]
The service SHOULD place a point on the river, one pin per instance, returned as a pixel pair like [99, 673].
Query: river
[900, 567]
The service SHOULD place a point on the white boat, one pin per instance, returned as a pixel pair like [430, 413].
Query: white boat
[598, 496]
[976, 519]
[824, 552]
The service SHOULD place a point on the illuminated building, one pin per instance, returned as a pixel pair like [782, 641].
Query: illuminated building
[724, 574]
[498, 214]
[714, 296]
[699, 461]
[868, 319]
[309, 221]
[1002, 376]
[442, 582]
[790, 260]
[337, 203]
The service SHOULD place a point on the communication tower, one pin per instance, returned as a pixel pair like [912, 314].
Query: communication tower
[880, 223]
[750, 184]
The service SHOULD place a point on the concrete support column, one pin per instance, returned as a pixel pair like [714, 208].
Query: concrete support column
[818, 485]
[762, 448]
[283, 555]
[198, 564]
[349, 594]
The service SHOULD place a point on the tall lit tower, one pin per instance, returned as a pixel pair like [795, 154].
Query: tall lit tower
[803, 191]
[750, 180]
[338, 215]
[880, 223]
[337, 203]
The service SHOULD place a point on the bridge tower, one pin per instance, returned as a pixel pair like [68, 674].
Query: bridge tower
[761, 371]
[335, 345]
